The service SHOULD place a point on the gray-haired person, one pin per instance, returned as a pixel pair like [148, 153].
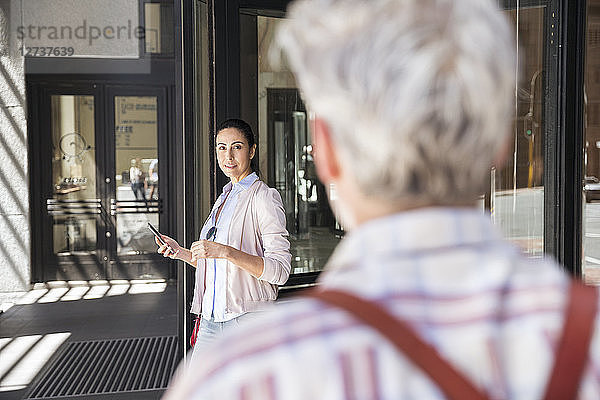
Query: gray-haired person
[413, 103]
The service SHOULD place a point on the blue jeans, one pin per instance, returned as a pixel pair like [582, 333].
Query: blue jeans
[138, 190]
[210, 330]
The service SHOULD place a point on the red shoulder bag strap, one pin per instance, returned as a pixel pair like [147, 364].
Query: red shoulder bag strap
[570, 360]
[573, 348]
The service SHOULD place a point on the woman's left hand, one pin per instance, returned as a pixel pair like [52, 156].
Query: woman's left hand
[208, 249]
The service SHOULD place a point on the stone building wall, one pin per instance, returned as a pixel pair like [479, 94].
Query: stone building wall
[15, 259]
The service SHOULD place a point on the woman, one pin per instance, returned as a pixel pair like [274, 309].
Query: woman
[243, 251]
[136, 177]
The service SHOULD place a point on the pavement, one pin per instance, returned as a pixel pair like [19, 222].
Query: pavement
[36, 326]
[591, 236]
[54, 314]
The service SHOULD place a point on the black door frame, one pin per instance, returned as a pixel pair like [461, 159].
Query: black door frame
[86, 265]
[44, 267]
[570, 149]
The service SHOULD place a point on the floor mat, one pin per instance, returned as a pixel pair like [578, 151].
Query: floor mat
[109, 366]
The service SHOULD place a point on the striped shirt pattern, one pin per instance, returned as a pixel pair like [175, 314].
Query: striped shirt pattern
[493, 313]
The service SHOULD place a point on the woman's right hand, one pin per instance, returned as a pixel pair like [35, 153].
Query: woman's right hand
[170, 249]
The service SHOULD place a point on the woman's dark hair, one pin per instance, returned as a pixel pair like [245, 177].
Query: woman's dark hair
[246, 130]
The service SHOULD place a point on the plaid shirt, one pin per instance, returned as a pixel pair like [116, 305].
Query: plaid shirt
[494, 314]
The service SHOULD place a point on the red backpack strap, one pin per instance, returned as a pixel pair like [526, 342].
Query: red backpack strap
[452, 383]
[573, 349]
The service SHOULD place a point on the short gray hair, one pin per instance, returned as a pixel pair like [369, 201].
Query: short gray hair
[419, 94]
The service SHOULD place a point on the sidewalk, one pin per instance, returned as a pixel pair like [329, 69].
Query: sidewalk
[52, 318]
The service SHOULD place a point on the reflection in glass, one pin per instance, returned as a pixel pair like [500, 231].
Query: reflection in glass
[517, 190]
[137, 175]
[73, 174]
[591, 184]
[286, 160]
[158, 28]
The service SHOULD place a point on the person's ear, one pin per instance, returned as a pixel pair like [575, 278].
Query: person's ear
[252, 151]
[324, 152]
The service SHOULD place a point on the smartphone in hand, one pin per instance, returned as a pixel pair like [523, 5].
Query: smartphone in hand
[156, 233]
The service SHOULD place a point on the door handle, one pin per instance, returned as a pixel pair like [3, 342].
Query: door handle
[73, 207]
[135, 207]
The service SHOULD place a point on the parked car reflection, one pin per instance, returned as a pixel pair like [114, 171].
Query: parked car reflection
[591, 189]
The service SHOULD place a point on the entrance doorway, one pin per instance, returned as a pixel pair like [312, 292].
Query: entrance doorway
[99, 148]
[248, 86]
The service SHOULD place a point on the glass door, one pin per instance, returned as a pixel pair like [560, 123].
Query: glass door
[74, 244]
[99, 154]
[521, 191]
[270, 101]
[137, 126]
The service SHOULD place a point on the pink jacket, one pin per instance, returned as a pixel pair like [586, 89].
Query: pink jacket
[257, 228]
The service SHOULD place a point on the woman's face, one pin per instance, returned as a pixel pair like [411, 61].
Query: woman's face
[234, 154]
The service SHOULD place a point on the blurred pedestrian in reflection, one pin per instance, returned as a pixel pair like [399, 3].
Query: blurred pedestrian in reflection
[243, 252]
[414, 101]
[153, 178]
[136, 178]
